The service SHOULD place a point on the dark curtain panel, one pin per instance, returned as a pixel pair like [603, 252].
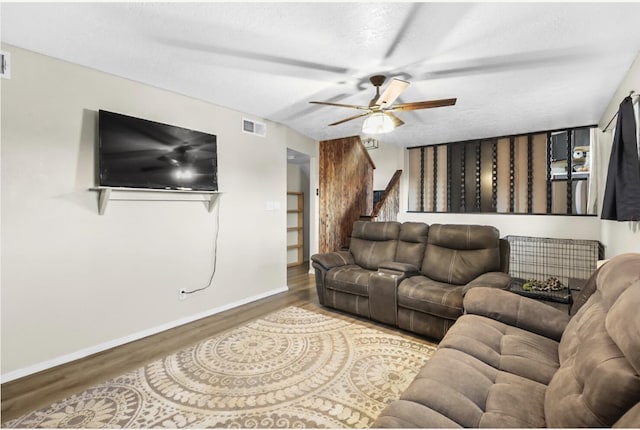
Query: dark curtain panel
[622, 193]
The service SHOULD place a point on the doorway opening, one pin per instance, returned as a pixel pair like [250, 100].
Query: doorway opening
[298, 209]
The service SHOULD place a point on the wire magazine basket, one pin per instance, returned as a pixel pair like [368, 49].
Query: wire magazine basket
[541, 258]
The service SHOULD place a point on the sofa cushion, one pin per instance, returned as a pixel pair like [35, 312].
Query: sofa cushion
[631, 419]
[579, 299]
[412, 415]
[499, 280]
[374, 242]
[428, 325]
[481, 375]
[432, 297]
[349, 279]
[598, 377]
[455, 389]
[351, 303]
[517, 311]
[332, 259]
[457, 254]
[504, 347]
[623, 324]
[411, 243]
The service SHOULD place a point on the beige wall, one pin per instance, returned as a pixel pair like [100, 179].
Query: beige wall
[387, 158]
[74, 282]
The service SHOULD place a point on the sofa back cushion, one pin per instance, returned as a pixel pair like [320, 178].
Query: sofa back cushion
[598, 382]
[411, 243]
[457, 254]
[374, 242]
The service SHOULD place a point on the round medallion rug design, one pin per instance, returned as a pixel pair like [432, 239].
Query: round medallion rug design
[291, 369]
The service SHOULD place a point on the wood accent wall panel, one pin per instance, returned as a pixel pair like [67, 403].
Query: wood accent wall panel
[414, 179]
[428, 179]
[442, 179]
[559, 197]
[456, 175]
[569, 200]
[503, 175]
[477, 207]
[470, 178]
[512, 173]
[530, 173]
[346, 189]
[539, 173]
[449, 179]
[508, 174]
[435, 178]
[486, 174]
[521, 174]
[548, 174]
[422, 176]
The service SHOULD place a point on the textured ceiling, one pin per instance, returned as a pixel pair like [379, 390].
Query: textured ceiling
[514, 67]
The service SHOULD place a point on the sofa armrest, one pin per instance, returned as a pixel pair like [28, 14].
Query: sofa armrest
[396, 268]
[490, 279]
[330, 260]
[515, 310]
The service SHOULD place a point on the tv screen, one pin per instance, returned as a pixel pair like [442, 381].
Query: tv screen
[139, 153]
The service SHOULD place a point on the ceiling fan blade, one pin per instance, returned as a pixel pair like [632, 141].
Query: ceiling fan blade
[391, 93]
[350, 118]
[397, 122]
[342, 105]
[424, 105]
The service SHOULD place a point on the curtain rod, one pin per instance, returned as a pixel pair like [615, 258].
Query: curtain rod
[632, 93]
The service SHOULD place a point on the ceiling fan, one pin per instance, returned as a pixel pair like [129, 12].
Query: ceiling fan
[380, 112]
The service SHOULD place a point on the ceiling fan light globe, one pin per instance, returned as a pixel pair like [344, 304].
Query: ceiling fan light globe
[377, 123]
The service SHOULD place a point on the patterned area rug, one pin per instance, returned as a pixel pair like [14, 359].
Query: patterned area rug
[292, 368]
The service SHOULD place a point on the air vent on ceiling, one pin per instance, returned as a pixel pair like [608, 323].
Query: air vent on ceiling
[254, 127]
[5, 65]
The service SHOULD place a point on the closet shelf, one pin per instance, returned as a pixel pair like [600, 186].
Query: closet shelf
[105, 194]
[295, 208]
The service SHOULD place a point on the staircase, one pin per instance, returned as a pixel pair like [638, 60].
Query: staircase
[388, 205]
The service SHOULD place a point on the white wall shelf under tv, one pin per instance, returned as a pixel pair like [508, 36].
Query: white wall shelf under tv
[153, 195]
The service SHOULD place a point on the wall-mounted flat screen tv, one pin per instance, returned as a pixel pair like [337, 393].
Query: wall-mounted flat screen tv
[138, 153]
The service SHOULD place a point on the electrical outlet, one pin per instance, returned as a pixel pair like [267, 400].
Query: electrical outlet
[182, 294]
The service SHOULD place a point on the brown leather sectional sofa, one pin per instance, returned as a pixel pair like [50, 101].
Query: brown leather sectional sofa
[411, 275]
[514, 362]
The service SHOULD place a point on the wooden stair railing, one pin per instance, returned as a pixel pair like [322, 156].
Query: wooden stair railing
[389, 205]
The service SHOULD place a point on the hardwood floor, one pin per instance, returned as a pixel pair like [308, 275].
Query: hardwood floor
[41, 389]
[44, 388]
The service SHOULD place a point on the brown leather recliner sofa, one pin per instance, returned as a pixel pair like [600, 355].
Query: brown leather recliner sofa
[411, 275]
[511, 361]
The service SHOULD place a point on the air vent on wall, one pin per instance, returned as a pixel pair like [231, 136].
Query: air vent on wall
[254, 127]
[5, 65]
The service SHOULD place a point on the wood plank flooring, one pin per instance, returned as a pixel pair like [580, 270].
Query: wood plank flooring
[41, 389]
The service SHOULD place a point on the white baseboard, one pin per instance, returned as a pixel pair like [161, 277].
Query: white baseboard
[85, 352]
